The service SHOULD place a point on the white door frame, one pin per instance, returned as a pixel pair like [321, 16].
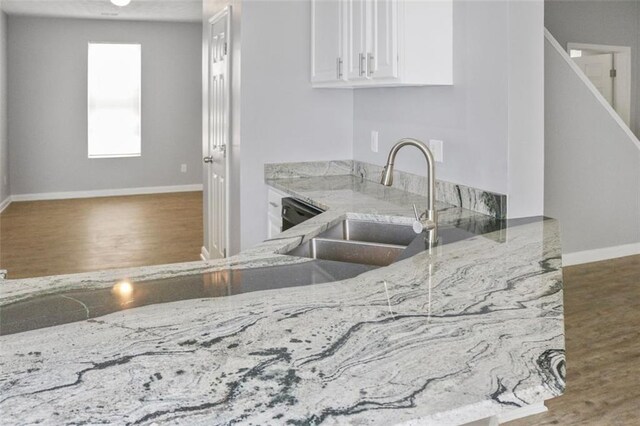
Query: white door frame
[220, 149]
[622, 82]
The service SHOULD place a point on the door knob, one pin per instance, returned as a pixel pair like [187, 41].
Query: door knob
[208, 159]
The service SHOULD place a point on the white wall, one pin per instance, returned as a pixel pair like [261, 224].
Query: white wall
[526, 109]
[283, 118]
[491, 119]
[471, 117]
[48, 105]
[592, 166]
[277, 116]
[601, 22]
[4, 141]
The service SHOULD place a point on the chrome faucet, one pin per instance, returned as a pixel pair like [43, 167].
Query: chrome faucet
[428, 220]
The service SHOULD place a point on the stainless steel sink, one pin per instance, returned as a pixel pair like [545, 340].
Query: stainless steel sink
[371, 232]
[358, 241]
[349, 251]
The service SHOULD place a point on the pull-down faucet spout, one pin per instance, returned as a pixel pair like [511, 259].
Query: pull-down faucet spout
[428, 219]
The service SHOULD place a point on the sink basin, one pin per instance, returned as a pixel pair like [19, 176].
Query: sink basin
[349, 251]
[371, 232]
[358, 241]
[379, 243]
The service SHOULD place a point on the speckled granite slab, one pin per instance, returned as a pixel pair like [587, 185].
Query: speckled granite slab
[462, 332]
[477, 200]
[307, 169]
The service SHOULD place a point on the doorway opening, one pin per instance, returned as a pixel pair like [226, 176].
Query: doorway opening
[609, 69]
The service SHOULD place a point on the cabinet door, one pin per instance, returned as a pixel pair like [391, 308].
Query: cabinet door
[327, 62]
[357, 31]
[382, 51]
[273, 226]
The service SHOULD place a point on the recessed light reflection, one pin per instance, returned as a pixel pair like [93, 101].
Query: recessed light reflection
[123, 288]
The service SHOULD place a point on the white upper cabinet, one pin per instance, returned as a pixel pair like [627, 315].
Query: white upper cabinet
[327, 20]
[356, 38]
[373, 43]
[382, 52]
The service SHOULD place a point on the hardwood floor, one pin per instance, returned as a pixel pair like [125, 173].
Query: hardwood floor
[602, 326]
[39, 238]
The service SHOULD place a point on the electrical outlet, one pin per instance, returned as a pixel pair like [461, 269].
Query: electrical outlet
[183, 168]
[436, 149]
[374, 140]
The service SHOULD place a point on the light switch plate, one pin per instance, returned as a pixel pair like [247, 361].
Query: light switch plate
[183, 168]
[374, 140]
[437, 150]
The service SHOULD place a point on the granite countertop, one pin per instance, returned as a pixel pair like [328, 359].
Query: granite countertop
[465, 331]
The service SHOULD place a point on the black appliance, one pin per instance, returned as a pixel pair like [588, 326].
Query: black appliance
[295, 212]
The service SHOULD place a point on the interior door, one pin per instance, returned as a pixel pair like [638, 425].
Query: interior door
[216, 158]
[597, 68]
[356, 39]
[382, 59]
[326, 41]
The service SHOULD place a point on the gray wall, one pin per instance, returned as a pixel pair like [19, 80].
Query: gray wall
[48, 105]
[4, 141]
[600, 22]
[471, 117]
[592, 167]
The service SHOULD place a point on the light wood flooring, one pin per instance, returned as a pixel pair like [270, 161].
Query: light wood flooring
[39, 238]
[602, 328]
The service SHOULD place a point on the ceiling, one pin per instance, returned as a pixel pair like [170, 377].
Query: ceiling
[139, 10]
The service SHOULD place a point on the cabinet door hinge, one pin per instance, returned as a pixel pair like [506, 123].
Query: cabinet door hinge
[613, 73]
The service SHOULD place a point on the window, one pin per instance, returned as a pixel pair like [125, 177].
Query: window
[114, 114]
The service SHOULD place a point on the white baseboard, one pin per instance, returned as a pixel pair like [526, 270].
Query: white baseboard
[5, 203]
[597, 255]
[106, 193]
[204, 254]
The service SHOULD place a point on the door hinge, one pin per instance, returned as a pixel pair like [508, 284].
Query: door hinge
[224, 253]
[225, 48]
[613, 73]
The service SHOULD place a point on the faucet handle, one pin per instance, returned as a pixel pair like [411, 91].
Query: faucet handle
[418, 227]
[415, 212]
[422, 222]
[420, 216]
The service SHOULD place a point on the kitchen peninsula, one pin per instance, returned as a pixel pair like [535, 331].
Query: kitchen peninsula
[457, 333]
